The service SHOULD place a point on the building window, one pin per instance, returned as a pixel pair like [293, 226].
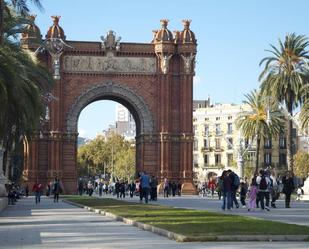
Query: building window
[195, 145]
[282, 159]
[217, 159]
[217, 118]
[229, 128]
[282, 143]
[218, 129]
[229, 159]
[206, 143]
[230, 143]
[218, 143]
[206, 119]
[206, 159]
[206, 130]
[267, 143]
[267, 159]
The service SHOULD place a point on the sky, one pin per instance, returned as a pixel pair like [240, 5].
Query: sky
[232, 37]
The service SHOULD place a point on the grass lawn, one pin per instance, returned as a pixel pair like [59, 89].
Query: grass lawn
[192, 223]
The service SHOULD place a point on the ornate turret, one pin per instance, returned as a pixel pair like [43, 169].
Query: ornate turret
[32, 36]
[55, 31]
[164, 34]
[187, 36]
[164, 46]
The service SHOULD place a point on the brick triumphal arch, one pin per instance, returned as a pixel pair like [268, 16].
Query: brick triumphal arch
[153, 80]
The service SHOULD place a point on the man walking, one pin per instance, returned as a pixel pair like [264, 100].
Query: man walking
[263, 183]
[145, 184]
[56, 189]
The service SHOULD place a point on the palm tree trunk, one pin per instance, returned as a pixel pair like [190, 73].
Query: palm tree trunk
[8, 164]
[290, 160]
[1, 20]
[257, 153]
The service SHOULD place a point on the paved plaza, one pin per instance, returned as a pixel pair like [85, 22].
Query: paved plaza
[59, 225]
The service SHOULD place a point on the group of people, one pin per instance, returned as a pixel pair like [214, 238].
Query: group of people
[263, 190]
[54, 188]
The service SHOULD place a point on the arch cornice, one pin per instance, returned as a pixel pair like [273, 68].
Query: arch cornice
[111, 90]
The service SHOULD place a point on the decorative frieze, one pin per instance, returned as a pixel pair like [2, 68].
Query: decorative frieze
[109, 64]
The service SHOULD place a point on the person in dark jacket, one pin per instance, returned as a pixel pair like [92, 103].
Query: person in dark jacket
[288, 187]
[226, 188]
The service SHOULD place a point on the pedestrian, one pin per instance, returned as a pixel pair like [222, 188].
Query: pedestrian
[145, 184]
[132, 189]
[122, 189]
[56, 189]
[117, 188]
[274, 193]
[165, 187]
[299, 193]
[27, 190]
[80, 187]
[263, 183]
[100, 185]
[153, 188]
[252, 195]
[212, 186]
[90, 188]
[37, 189]
[288, 188]
[179, 188]
[225, 183]
[235, 185]
[243, 193]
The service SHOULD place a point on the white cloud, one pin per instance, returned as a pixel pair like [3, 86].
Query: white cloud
[196, 80]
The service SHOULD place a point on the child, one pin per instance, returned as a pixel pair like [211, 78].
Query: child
[252, 195]
[299, 193]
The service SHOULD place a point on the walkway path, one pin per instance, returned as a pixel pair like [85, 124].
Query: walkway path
[59, 225]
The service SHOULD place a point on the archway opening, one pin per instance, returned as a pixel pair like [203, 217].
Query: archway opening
[106, 151]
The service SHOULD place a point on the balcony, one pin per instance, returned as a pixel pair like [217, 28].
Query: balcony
[206, 149]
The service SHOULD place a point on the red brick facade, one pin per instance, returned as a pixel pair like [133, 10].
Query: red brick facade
[160, 101]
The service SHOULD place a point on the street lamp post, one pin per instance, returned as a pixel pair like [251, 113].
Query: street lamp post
[241, 148]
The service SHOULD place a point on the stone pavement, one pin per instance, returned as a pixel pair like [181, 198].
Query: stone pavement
[59, 225]
[298, 214]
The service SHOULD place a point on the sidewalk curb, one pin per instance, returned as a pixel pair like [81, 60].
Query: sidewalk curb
[181, 238]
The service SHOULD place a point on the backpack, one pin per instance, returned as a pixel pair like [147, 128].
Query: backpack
[236, 180]
[263, 183]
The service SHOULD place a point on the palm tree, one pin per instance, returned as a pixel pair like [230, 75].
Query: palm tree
[20, 6]
[283, 77]
[254, 124]
[23, 81]
[304, 112]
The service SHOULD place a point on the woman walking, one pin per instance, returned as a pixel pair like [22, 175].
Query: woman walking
[288, 188]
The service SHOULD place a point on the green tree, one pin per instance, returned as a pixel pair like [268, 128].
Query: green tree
[283, 77]
[112, 155]
[301, 168]
[253, 124]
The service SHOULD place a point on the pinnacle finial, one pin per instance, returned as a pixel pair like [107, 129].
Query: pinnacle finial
[164, 22]
[56, 19]
[186, 23]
